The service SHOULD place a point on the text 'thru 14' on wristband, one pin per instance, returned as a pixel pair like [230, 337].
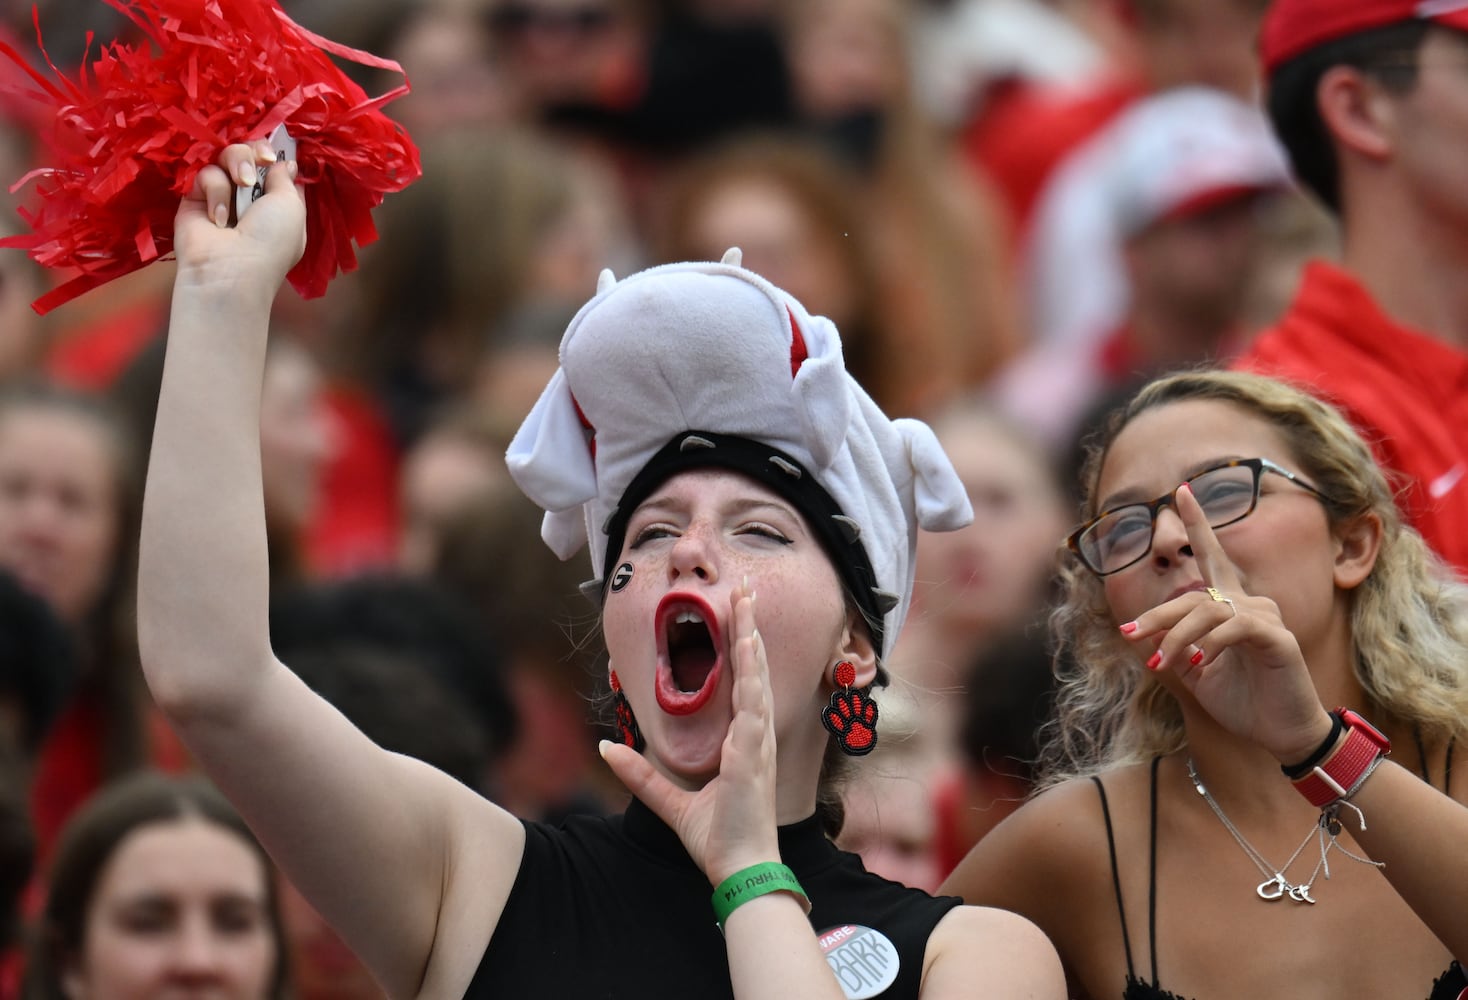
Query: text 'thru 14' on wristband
[1339, 775]
[752, 883]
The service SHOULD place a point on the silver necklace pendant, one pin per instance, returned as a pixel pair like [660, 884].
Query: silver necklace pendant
[1301, 894]
[1275, 888]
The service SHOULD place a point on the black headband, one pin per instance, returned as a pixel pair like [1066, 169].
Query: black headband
[838, 534]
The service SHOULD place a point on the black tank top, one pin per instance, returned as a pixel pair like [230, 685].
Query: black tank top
[1451, 985]
[613, 907]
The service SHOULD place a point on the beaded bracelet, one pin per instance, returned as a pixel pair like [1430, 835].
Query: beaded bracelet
[753, 882]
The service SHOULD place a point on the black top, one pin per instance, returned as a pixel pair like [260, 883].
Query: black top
[613, 907]
[1451, 985]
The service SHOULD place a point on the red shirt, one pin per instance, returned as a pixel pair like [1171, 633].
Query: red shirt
[70, 765]
[355, 527]
[1405, 391]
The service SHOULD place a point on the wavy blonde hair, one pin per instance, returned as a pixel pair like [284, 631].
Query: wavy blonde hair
[1409, 618]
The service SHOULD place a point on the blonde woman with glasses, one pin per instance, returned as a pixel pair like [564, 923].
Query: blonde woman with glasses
[1255, 631]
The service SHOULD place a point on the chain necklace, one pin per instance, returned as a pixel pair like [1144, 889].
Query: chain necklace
[1275, 885]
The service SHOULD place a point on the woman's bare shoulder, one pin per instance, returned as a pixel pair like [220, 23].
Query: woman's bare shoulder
[1057, 837]
[983, 951]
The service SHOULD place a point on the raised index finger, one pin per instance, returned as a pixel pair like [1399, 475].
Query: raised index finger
[1213, 564]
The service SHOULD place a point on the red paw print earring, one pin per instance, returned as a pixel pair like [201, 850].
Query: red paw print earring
[852, 715]
[626, 722]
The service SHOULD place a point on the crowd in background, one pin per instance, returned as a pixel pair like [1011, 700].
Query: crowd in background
[1014, 210]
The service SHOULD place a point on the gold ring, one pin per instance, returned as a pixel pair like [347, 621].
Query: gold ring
[1214, 595]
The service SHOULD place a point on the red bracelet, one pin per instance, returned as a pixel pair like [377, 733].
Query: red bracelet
[1339, 775]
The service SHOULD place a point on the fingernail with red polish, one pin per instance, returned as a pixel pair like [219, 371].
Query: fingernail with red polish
[1155, 660]
[1196, 658]
[1128, 628]
[1188, 487]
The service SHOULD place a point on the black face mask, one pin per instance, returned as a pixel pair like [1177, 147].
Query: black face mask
[854, 137]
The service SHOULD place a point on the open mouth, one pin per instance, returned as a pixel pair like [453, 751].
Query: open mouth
[690, 657]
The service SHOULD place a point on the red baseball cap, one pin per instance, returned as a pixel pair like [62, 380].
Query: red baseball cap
[1294, 26]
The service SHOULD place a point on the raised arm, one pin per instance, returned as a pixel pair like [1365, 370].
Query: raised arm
[1264, 692]
[371, 838]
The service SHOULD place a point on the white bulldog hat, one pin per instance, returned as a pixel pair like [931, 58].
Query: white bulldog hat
[699, 364]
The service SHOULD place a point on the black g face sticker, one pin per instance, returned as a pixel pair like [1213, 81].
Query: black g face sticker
[621, 577]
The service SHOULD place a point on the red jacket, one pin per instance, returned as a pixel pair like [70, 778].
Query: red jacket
[1406, 391]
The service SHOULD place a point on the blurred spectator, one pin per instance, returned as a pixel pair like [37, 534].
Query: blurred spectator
[393, 696]
[979, 583]
[943, 306]
[301, 439]
[492, 555]
[447, 51]
[514, 369]
[1141, 253]
[889, 811]
[482, 233]
[38, 669]
[411, 620]
[971, 52]
[1010, 692]
[569, 56]
[69, 508]
[650, 79]
[458, 460]
[1183, 43]
[297, 437]
[159, 888]
[37, 672]
[1025, 131]
[975, 589]
[1362, 94]
[797, 216]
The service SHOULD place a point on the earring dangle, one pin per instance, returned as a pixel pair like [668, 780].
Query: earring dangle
[627, 731]
[851, 716]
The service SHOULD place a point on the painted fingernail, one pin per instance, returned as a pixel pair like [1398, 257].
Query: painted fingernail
[266, 153]
[601, 748]
[221, 216]
[1128, 628]
[1196, 658]
[290, 166]
[1188, 487]
[248, 176]
[1156, 659]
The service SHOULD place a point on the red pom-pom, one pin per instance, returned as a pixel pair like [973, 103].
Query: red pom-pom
[139, 121]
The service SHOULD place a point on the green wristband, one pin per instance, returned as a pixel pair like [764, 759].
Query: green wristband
[753, 882]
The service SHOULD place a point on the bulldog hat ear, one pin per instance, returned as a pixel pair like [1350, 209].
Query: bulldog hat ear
[822, 389]
[939, 497]
[550, 456]
[564, 532]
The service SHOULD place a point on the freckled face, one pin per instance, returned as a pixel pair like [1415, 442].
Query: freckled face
[670, 633]
[1284, 550]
